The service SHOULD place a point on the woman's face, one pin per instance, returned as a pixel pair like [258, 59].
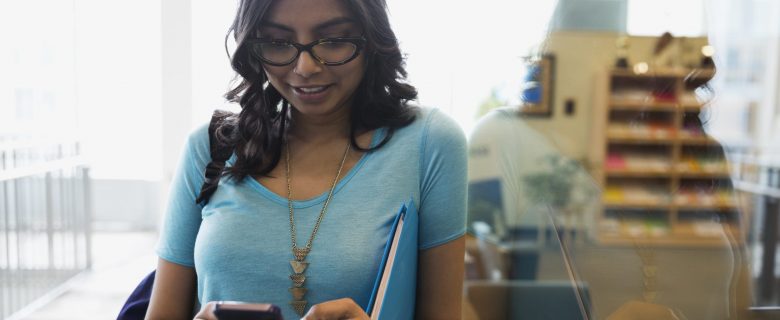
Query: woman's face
[312, 88]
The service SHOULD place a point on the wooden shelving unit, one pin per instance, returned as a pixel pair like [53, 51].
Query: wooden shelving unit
[664, 181]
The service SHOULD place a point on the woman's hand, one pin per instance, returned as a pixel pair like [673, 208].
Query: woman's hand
[336, 310]
[207, 312]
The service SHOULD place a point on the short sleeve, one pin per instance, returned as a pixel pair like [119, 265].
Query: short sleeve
[443, 172]
[182, 215]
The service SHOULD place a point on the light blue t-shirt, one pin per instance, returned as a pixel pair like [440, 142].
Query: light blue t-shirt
[239, 243]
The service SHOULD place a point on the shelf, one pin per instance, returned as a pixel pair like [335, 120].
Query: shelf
[694, 168]
[700, 74]
[721, 200]
[666, 73]
[634, 228]
[663, 132]
[668, 241]
[691, 106]
[645, 205]
[634, 105]
[716, 206]
[706, 234]
[656, 73]
[636, 195]
[639, 139]
[654, 144]
[720, 206]
[703, 231]
[704, 174]
[698, 140]
[638, 173]
[637, 164]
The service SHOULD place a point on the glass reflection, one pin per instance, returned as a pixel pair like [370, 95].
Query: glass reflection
[627, 184]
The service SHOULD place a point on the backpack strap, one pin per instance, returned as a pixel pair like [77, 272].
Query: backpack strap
[138, 302]
[220, 153]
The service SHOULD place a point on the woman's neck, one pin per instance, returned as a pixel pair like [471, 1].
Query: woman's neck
[320, 129]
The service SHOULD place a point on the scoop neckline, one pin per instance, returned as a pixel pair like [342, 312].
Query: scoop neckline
[298, 204]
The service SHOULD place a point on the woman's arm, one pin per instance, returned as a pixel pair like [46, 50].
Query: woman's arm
[175, 283]
[440, 281]
[173, 292]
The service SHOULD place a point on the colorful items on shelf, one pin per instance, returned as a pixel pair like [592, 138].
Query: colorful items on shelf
[634, 227]
[640, 130]
[630, 95]
[635, 194]
[650, 228]
[654, 143]
[708, 229]
[636, 95]
[664, 96]
[705, 164]
[692, 197]
[692, 130]
[638, 162]
[690, 98]
[650, 195]
[615, 161]
[613, 194]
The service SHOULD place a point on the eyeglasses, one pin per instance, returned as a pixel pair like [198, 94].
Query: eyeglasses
[328, 51]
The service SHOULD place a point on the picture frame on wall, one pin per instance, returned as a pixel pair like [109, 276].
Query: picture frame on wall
[538, 87]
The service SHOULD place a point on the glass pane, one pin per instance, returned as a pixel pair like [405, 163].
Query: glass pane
[639, 166]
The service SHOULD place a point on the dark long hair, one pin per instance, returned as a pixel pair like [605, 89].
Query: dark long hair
[381, 99]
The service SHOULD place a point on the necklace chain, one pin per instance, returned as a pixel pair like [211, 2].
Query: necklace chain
[324, 207]
[299, 264]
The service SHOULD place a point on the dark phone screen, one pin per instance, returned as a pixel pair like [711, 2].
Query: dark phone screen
[224, 314]
[242, 311]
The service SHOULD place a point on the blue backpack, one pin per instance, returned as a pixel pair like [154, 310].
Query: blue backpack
[136, 305]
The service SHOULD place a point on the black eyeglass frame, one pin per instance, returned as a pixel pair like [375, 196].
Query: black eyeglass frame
[359, 43]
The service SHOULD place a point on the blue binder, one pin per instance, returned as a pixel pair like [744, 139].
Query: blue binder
[399, 297]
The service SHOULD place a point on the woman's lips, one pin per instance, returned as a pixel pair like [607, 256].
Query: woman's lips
[311, 94]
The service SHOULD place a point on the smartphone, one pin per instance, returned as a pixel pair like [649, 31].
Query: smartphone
[232, 310]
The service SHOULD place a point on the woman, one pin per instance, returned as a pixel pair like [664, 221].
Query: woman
[326, 152]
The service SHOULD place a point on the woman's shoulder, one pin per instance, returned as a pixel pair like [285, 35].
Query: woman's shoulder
[441, 128]
[199, 136]
[196, 146]
[431, 131]
[432, 123]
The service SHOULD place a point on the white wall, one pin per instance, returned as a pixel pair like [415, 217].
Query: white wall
[118, 86]
[459, 51]
[126, 204]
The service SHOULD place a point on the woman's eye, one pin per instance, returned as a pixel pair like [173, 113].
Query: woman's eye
[276, 46]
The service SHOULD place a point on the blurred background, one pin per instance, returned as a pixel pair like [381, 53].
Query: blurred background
[623, 158]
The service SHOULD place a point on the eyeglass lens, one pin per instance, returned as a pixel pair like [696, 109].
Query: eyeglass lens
[329, 52]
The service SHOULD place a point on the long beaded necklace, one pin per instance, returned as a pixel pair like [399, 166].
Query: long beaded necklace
[299, 263]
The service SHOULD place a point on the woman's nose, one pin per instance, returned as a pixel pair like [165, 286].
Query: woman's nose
[307, 65]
